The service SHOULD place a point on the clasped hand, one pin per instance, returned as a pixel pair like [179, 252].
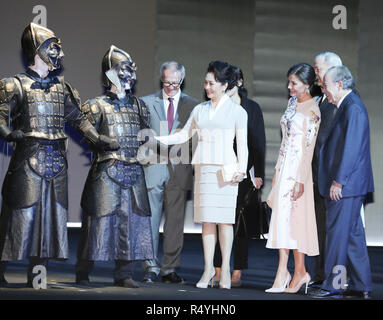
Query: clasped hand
[15, 136]
[336, 191]
[107, 144]
[297, 191]
[258, 182]
[237, 178]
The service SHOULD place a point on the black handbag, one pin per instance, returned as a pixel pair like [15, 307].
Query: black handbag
[264, 217]
[253, 216]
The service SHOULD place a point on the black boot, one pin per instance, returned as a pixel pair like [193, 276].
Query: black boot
[83, 268]
[126, 283]
[123, 273]
[82, 279]
[3, 281]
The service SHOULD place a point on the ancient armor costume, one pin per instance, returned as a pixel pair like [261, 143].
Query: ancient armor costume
[35, 203]
[33, 112]
[116, 212]
[116, 218]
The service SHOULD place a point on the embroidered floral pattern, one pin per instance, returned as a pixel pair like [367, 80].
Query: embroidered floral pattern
[285, 122]
[292, 223]
[313, 128]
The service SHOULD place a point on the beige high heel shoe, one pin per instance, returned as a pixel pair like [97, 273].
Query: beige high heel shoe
[305, 280]
[281, 289]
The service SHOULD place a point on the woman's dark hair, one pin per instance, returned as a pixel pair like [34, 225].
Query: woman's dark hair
[237, 76]
[223, 73]
[306, 74]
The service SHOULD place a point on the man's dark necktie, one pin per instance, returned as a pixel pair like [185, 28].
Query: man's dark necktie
[170, 114]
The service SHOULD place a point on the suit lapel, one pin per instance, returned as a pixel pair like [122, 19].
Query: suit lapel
[324, 101]
[158, 106]
[341, 109]
[177, 121]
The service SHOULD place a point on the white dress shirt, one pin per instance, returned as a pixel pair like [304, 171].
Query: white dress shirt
[341, 100]
[323, 98]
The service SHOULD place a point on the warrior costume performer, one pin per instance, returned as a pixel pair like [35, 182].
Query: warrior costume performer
[116, 212]
[34, 107]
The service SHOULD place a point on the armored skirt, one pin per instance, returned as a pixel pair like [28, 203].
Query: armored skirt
[35, 202]
[116, 214]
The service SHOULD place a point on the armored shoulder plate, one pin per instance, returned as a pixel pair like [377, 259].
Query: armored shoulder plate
[143, 112]
[8, 89]
[91, 109]
[74, 93]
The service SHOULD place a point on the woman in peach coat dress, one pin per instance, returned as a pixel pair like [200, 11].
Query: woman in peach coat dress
[293, 224]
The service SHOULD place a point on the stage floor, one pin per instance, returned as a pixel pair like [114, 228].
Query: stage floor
[259, 276]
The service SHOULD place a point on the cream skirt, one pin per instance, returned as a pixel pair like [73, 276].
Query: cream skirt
[214, 200]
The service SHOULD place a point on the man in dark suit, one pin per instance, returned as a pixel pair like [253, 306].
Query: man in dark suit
[345, 177]
[323, 62]
[167, 182]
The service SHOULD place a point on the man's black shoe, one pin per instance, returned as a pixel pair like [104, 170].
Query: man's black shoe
[150, 277]
[173, 278]
[315, 284]
[326, 294]
[353, 294]
[126, 283]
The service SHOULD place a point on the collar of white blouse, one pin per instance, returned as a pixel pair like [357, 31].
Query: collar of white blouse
[213, 111]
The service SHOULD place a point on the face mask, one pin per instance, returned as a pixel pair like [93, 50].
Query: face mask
[51, 53]
[122, 76]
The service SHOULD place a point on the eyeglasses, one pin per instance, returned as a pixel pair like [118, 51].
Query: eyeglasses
[169, 84]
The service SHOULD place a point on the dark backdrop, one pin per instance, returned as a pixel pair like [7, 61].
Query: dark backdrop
[263, 37]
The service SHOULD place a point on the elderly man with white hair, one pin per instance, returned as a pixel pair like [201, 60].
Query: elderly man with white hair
[345, 178]
[323, 61]
[167, 182]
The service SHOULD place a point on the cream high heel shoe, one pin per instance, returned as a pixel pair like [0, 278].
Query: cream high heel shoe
[209, 241]
[305, 280]
[281, 289]
[226, 285]
[204, 285]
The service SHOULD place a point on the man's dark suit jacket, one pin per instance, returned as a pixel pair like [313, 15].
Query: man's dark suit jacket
[328, 111]
[345, 154]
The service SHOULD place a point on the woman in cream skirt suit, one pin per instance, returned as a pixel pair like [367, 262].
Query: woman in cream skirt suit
[217, 169]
